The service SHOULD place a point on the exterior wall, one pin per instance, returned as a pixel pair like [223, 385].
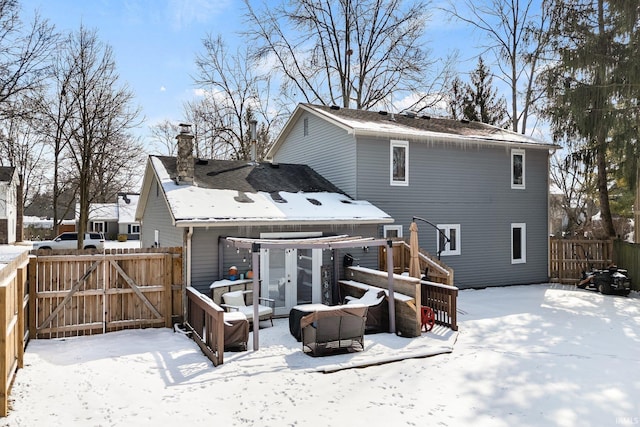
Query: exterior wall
[328, 149]
[448, 184]
[205, 253]
[470, 187]
[123, 228]
[8, 212]
[156, 217]
[110, 229]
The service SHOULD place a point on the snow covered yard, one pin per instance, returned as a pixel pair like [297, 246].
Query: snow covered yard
[539, 355]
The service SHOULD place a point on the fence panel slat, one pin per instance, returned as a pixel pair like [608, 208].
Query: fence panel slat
[93, 292]
[568, 258]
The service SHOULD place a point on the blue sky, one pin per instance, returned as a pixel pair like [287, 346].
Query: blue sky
[155, 42]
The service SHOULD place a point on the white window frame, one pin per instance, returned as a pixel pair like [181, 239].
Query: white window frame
[518, 152]
[103, 226]
[387, 228]
[133, 229]
[400, 144]
[523, 243]
[446, 229]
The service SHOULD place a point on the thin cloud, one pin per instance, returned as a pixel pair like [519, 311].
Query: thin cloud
[183, 13]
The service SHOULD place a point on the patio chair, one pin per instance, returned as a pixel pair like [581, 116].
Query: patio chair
[378, 313]
[236, 300]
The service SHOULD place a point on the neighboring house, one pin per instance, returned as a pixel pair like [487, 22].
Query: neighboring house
[114, 219]
[486, 188]
[8, 204]
[103, 218]
[197, 204]
[127, 224]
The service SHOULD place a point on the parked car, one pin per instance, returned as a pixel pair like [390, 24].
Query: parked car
[70, 241]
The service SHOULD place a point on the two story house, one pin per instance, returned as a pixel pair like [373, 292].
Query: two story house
[482, 191]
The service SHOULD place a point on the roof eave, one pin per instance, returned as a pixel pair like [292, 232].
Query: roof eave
[258, 223]
[451, 138]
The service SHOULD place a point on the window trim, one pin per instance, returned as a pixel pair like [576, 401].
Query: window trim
[403, 144]
[518, 152]
[396, 228]
[523, 243]
[103, 225]
[446, 229]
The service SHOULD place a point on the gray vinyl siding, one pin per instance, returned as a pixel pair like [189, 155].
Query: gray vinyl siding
[328, 149]
[156, 217]
[205, 253]
[451, 184]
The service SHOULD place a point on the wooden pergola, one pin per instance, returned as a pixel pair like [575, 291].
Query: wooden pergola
[331, 243]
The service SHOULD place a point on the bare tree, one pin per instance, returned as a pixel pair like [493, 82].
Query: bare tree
[576, 189]
[23, 148]
[163, 136]
[24, 56]
[517, 34]
[350, 53]
[24, 60]
[101, 119]
[235, 92]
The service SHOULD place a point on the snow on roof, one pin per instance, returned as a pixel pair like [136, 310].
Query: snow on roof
[202, 204]
[421, 126]
[103, 212]
[127, 204]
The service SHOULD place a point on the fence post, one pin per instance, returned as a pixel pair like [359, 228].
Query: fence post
[20, 277]
[33, 286]
[168, 290]
[4, 369]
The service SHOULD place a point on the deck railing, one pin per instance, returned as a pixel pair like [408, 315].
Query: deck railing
[438, 271]
[205, 322]
[442, 299]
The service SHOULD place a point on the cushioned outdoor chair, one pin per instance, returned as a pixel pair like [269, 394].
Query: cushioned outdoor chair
[237, 300]
[378, 313]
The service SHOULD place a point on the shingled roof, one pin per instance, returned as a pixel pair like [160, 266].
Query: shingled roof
[250, 177]
[227, 192]
[419, 127]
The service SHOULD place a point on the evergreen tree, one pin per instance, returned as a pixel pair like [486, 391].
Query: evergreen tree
[482, 101]
[592, 89]
[479, 100]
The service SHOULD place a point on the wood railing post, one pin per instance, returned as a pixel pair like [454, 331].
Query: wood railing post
[33, 300]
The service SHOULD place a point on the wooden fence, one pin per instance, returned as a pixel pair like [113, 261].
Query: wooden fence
[568, 258]
[106, 291]
[205, 322]
[628, 257]
[13, 329]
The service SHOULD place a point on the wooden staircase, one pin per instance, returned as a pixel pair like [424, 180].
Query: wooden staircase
[438, 271]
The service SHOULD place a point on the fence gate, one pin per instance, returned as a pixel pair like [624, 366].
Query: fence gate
[89, 294]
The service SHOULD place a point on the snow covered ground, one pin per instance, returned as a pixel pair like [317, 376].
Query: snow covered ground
[539, 355]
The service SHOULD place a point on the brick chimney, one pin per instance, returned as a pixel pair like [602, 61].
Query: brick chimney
[184, 162]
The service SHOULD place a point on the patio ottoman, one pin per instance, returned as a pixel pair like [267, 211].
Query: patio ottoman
[236, 331]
